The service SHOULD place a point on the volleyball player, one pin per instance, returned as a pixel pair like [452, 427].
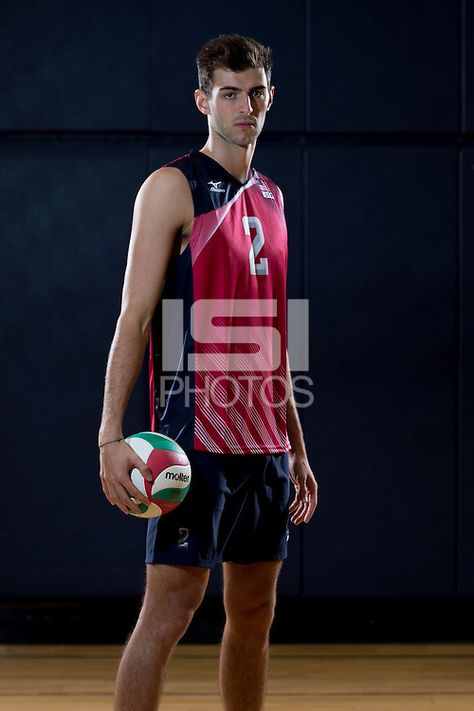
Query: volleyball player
[209, 239]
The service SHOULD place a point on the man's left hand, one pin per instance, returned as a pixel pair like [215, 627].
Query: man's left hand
[306, 488]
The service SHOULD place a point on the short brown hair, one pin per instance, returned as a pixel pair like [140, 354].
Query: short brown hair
[234, 52]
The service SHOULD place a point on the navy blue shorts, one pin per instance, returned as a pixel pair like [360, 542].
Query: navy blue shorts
[236, 510]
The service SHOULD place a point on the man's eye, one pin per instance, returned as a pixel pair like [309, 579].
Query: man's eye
[229, 95]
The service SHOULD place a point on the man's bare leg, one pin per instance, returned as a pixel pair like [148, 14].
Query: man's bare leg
[172, 595]
[249, 599]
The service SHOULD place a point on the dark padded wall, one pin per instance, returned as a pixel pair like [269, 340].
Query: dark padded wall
[75, 66]
[66, 209]
[466, 380]
[368, 139]
[383, 351]
[384, 66]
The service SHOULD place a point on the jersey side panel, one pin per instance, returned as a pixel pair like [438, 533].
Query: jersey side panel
[171, 383]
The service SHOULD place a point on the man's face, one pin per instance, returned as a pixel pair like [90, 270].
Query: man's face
[238, 104]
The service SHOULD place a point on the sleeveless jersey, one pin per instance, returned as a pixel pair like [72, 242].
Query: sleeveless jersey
[218, 377]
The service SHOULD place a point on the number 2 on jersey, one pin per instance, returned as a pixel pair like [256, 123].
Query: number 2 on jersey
[260, 267]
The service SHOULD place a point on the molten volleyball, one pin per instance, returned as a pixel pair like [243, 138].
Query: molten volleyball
[171, 472]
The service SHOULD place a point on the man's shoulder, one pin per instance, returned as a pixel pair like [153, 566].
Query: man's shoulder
[183, 162]
[167, 186]
[172, 175]
[173, 169]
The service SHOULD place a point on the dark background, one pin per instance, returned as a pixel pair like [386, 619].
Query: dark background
[371, 140]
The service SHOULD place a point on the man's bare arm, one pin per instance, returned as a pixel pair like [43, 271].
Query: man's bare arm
[306, 488]
[162, 209]
[293, 424]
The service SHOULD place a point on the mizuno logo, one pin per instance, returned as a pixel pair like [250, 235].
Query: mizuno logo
[214, 188]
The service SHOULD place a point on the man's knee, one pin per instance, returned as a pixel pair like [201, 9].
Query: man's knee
[250, 601]
[251, 617]
[172, 595]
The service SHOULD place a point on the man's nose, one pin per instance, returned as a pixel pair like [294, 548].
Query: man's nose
[246, 105]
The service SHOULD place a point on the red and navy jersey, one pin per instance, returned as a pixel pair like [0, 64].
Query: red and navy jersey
[217, 362]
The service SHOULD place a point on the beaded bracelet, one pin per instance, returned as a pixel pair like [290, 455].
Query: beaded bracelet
[111, 441]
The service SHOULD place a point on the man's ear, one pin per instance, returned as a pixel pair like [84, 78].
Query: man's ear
[202, 101]
[271, 92]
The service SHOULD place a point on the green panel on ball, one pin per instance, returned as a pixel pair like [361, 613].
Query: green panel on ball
[172, 494]
[159, 441]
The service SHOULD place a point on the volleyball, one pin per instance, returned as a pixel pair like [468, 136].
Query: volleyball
[171, 472]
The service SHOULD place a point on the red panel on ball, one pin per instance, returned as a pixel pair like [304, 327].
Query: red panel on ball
[161, 459]
[166, 505]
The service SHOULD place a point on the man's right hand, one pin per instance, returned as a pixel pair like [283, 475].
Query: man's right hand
[116, 462]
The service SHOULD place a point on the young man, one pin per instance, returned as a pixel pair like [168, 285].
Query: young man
[209, 230]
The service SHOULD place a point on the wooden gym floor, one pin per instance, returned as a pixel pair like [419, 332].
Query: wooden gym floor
[330, 677]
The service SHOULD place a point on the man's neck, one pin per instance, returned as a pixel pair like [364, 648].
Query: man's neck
[237, 162]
